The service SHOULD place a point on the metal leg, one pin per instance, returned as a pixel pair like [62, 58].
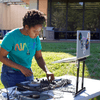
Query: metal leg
[77, 76]
[83, 74]
[82, 88]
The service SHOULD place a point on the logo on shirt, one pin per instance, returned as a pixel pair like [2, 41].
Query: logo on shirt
[23, 46]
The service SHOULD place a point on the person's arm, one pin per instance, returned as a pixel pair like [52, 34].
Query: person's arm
[8, 62]
[42, 65]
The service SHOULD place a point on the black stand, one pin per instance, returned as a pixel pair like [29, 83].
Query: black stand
[77, 81]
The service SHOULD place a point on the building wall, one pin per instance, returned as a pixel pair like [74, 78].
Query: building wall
[26, 1]
[0, 15]
[43, 6]
[11, 16]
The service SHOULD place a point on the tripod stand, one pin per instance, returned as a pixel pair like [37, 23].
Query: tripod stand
[77, 80]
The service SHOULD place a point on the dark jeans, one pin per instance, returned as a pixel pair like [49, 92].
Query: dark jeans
[10, 77]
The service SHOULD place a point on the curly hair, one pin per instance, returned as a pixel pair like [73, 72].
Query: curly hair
[34, 17]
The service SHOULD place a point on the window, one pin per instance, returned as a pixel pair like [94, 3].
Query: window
[58, 15]
[75, 16]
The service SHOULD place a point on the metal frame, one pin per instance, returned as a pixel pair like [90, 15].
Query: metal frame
[50, 11]
[66, 18]
[67, 2]
[38, 4]
[77, 80]
[83, 15]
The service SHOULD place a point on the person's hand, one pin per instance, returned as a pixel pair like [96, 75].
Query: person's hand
[50, 76]
[26, 72]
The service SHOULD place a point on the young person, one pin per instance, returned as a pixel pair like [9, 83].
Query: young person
[18, 48]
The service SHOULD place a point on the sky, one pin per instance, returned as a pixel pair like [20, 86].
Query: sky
[81, 3]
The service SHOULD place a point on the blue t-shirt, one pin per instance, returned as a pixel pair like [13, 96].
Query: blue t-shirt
[21, 48]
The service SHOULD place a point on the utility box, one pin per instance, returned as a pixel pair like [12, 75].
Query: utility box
[48, 33]
[44, 32]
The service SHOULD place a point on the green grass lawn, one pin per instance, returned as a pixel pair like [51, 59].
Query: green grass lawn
[57, 51]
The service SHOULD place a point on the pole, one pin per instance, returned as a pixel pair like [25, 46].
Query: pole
[77, 76]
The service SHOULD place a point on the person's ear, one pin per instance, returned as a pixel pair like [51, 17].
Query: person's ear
[26, 27]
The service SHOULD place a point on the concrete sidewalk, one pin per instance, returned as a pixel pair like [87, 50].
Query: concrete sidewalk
[67, 40]
[64, 40]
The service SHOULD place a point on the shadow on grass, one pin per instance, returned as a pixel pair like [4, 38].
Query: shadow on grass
[59, 47]
[92, 64]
